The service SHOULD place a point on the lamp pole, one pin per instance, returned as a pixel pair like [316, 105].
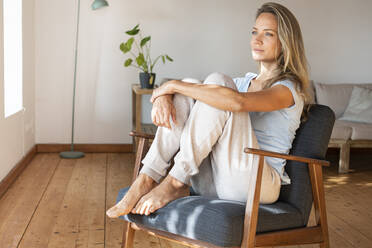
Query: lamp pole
[75, 154]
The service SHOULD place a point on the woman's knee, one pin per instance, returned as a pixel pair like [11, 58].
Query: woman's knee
[219, 79]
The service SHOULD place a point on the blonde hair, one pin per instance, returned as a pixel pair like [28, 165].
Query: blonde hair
[292, 63]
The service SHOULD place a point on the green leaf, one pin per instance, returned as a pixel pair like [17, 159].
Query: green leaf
[129, 43]
[169, 58]
[145, 40]
[134, 31]
[140, 59]
[128, 62]
[124, 48]
[163, 58]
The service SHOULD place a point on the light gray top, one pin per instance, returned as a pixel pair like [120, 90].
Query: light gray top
[275, 130]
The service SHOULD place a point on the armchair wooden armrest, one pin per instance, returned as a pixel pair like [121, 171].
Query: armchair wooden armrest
[141, 135]
[286, 156]
[250, 239]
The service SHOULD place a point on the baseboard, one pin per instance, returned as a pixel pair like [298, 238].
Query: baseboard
[96, 148]
[17, 170]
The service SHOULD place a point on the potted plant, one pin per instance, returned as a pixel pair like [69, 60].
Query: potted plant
[141, 58]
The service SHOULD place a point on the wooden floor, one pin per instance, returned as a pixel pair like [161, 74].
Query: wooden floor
[61, 203]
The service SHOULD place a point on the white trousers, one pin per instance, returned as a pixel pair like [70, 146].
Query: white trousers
[208, 145]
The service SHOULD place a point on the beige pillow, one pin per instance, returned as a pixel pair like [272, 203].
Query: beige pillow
[359, 108]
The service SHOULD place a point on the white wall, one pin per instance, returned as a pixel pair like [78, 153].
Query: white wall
[201, 36]
[17, 132]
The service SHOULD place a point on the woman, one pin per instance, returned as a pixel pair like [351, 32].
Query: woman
[207, 136]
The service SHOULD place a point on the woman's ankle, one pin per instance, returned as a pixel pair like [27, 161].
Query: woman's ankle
[175, 183]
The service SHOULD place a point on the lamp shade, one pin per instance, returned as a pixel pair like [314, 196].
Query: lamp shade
[99, 4]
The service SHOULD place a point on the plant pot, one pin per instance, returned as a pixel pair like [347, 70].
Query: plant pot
[147, 80]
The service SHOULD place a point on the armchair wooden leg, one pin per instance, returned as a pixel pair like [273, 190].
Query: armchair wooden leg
[128, 236]
[316, 176]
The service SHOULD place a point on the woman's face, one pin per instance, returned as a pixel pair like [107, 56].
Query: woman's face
[265, 42]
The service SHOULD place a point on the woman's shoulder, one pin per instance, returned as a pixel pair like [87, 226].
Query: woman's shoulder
[289, 83]
[292, 86]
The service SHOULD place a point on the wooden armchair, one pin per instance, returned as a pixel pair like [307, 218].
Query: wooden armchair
[196, 221]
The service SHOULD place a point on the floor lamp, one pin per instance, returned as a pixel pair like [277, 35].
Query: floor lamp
[97, 4]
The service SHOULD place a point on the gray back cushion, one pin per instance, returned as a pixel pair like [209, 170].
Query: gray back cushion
[311, 141]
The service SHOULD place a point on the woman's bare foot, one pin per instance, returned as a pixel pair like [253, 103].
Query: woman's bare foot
[167, 191]
[141, 186]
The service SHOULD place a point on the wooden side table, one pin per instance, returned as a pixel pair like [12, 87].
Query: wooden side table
[137, 93]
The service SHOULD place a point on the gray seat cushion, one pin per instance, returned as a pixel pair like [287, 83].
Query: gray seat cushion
[219, 222]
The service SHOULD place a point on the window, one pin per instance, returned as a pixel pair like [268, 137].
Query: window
[12, 12]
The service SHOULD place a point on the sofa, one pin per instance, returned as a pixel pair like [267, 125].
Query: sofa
[354, 130]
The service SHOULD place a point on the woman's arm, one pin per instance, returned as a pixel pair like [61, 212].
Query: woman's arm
[224, 98]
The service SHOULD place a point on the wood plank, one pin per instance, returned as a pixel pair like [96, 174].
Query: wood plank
[355, 197]
[80, 221]
[42, 223]
[32, 190]
[119, 175]
[14, 194]
[91, 231]
[352, 235]
[337, 240]
[350, 201]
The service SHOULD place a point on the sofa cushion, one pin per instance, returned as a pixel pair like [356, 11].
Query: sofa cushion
[216, 221]
[342, 130]
[351, 130]
[336, 96]
[360, 131]
[359, 108]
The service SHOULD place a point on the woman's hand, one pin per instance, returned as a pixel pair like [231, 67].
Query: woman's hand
[163, 110]
[164, 89]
